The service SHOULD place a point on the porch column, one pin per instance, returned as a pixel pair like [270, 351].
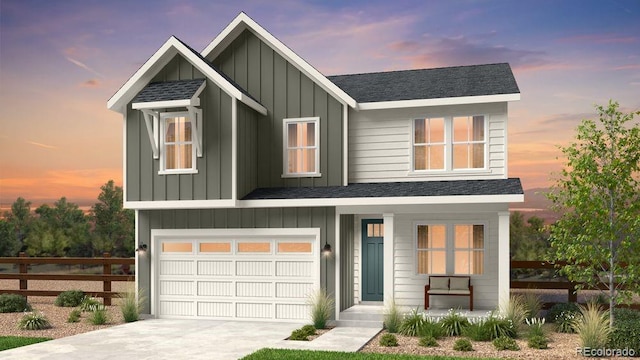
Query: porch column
[336, 264]
[388, 257]
[504, 263]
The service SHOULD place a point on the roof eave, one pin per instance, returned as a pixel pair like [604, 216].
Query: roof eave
[242, 22]
[438, 102]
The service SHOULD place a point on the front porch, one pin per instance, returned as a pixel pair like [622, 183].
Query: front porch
[372, 315]
[398, 274]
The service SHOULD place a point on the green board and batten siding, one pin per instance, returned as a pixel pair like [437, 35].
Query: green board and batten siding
[247, 149]
[213, 180]
[318, 217]
[286, 93]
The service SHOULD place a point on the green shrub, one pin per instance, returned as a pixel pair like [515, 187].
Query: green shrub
[412, 323]
[90, 304]
[388, 340]
[532, 304]
[34, 321]
[462, 345]
[592, 326]
[454, 323]
[565, 322]
[321, 308]
[130, 306]
[505, 343]
[428, 341]
[432, 329]
[498, 327]
[98, 317]
[392, 317]
[538, 342]
[477, 331]
[557, 309]
[535, 327]
[310, 330]
[69, 298]
[10, 303]
[299, 335]
[626, 330]
[74, 316]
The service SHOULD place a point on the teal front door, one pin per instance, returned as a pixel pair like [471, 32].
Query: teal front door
[372, 255]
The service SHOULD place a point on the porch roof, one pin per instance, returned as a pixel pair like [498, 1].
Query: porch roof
[511, 186]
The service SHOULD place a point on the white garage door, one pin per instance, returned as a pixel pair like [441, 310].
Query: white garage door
[235, 273]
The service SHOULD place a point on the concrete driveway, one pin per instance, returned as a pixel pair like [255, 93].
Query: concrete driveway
[161, 339]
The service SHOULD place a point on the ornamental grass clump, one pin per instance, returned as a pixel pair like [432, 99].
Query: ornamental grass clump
[592, 326]
[74, 316]
[535, 327]
[34, 321]
[515, 311]
[392, 317]
[454, 323]
[321, 308]
[532, 304]
[131, 305]
[477, 331]
[90, 304]
[98, 316]
[412, 323]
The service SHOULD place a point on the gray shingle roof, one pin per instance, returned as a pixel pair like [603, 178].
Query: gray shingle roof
[396, 189]
[168, 90]
[474, 80]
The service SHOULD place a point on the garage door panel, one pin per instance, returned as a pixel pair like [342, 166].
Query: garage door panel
[176, 308]
[176, 287]
[215, 267]
[292, 311]
[215, 309]
[254, 310]
[176, 267]
[294, 268]
[235, 276]
[293, 290]
[254, 268]
[215, 288]
[254, 289]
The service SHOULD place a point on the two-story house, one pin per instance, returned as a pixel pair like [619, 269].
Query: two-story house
[246, 166]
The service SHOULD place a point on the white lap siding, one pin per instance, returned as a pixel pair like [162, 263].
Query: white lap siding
[409, 286]
[380, 144]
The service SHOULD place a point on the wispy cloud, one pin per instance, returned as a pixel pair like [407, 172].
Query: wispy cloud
[84, 66]
[600, 39]
[91, 83]
[628, 67]
[44, 146]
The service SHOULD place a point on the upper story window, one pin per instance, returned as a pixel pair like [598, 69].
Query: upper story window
[301, 148]
[449, 143]
[178, 153]
[450, 249]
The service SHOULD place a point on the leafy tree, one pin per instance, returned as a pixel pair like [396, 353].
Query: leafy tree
[20, 219]
[599, 194]
[113, 224]
[9, 244]
[67, 220]
[528, 240]
[45, 240]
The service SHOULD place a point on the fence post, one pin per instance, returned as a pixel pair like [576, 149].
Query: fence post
[106, 270]
[23, 270]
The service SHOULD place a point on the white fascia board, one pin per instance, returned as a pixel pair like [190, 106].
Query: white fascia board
[257, 232]
[242, 22]
[438, 102]
[161, 57]
[180, 204]
[165, 104]
[371, 201]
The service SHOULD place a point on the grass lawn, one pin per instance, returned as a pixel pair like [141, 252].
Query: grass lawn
[321, 355]
[10, 342]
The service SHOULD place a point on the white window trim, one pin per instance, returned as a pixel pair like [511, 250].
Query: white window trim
[449, 246]
[186, 114]
[448, 148]
[285, 122]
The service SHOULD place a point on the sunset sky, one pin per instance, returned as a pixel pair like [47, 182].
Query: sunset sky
[60, 61]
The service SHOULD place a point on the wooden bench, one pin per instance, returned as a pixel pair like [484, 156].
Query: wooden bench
[448, 286]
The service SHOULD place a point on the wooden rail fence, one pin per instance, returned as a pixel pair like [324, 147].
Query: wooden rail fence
[106, 277]
[560, 284]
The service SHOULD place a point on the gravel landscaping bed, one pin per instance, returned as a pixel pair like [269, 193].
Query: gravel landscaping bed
[58, 315]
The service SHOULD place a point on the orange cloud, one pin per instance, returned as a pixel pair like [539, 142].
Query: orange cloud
[91, 83]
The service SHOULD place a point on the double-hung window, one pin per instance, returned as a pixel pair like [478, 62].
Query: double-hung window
[449, 143]
[450, 249]
[301, 150]
[178, 153]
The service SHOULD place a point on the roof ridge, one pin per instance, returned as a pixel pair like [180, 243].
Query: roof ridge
[423, 69]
